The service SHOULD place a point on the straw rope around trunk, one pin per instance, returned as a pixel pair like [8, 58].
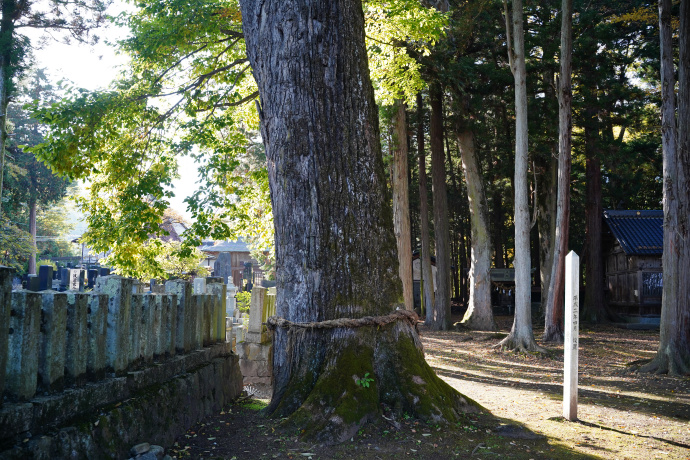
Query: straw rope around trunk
[411, 317]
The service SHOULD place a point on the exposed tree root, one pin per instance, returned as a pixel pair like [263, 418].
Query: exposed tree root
[520, 344]
[553, 334]
[343, 378]
[665, 364]
[479, 323]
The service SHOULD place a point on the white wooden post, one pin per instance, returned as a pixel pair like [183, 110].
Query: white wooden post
[572, 324]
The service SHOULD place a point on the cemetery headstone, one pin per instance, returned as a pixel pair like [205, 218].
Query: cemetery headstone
[45, 277]
[33, 283]
[223, 266]
[104, 271]
[76, 279]
[91, 276]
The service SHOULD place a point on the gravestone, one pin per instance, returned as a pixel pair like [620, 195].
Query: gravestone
[570, 343]
[91, 276]
[64, 278]
[45, 277]
[104, 271]
[223, 266]
[33, 283]
[76, 279]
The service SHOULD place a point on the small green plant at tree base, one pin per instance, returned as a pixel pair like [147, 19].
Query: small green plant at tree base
[365, 381]
[244, 299]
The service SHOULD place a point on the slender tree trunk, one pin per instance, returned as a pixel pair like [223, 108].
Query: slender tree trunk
[401, 203]
[427, 290]
[673, 356]
[335, 247]
[553, 327]
[32, 231]
[6, 49]
[479, 314]
[521, 336]
[594, 307]
[440, 315]
[546, 197]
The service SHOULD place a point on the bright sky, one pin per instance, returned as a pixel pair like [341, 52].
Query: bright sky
[94, 68]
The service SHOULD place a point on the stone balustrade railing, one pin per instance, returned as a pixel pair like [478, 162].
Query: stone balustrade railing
[50, 340]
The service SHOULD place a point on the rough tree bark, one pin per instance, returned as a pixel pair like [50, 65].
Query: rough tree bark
[594, 307]
[521, 337]
[440, 314]
[546, 196]
[425, 254]
[479, 315]
[401, 203]
[673, 356]
[6, 37]
[335, 247]
[553, 327]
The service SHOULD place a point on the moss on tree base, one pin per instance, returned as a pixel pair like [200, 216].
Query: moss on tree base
[344, 378]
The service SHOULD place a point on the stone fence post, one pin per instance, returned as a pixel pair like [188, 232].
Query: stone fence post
[5, 307]
[21, 376]
[53, 335]
[76, 347]
[255, 329]
[117, 340]
[97, 328]
[219, 290]
[183, 331]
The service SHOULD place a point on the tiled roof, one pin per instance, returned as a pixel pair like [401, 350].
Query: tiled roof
[225, 246]
[638, 232]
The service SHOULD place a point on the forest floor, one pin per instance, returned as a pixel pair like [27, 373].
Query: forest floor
[622, 415]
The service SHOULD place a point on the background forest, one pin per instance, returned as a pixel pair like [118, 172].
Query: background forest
[189, 91]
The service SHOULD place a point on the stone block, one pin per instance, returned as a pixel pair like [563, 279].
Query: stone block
[76, 345]
[97, 327]
[118, 336]
[135, 318]
[6, 275]
[155, 337]
[256, 309]
[147, 345]
[196, 320]
[183, 335]
[169, 323]
[219, 290]
[199, 286]
[53, 337]
[254, 351]
[21, 376]
[208, 320]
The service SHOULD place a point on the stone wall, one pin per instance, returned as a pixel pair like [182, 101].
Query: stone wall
[94, 373]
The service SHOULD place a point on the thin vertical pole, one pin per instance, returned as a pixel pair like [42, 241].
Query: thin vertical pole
[570, 345]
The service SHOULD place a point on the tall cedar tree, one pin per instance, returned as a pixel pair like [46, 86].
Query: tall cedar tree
[335, 247]
[553, 328]
[673, 356]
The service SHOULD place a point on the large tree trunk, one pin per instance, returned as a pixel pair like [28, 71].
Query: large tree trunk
[553, 327]
[32, 231]
[335, 247]
[673, 356]
[479, 314]
[401, 203]
[427, 288]
[521, 336]
[440, 314]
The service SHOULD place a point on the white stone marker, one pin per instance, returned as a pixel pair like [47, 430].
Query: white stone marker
[572, 325]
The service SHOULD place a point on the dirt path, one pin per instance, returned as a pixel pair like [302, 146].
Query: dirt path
[622, 415]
